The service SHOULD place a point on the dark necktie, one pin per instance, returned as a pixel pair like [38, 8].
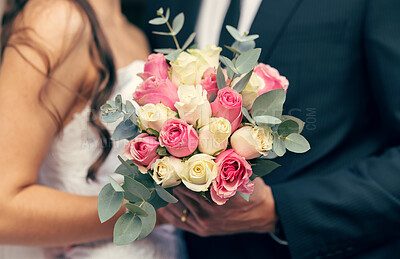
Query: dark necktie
[231, 18]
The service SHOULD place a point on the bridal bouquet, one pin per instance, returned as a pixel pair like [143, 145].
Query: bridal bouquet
[199, 119]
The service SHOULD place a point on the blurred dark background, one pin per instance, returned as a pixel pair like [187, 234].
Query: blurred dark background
[134, 10]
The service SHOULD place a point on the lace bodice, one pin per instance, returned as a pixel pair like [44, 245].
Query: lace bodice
[65, 168]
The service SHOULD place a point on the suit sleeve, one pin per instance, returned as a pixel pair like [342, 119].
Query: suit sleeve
[359, 206]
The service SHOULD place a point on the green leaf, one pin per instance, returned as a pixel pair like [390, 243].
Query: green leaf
[234, 32]
[220, 78]
[167, 13]
[122, 170]
[245, 196]
[109, 202]
[162, 151]
[177, 23]
[118, 102]
[235, 51]
[148, 222]
[247, 115]
[270, 103]
[125, 130]
[133, 169]
[127, 229]
[166, 196]
[137, 189]
[247, 60]
[153, 132]
[110, 112]
[278, 146]
[158, 21]
[163, 51]
[135, 209]
[296, 143]
[156, 201]
[173, 55]
[244, 46]
[250, 37]
[262, 167]
[115, 185]
[130, 113]
[189, 40]
[229, 64]
[297, 120]
[241, 85]
[288, 127]
[267, 119]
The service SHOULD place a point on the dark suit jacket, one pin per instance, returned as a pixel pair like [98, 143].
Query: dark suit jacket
[342, 198]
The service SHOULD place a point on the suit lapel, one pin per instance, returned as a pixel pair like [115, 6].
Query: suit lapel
[271, 22]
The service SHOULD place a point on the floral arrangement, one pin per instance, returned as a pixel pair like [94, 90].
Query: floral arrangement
[198, 119]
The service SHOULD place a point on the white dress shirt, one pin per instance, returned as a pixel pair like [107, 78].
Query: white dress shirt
[212, 15]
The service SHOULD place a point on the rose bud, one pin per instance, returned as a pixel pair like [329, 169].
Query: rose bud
[157, 66]
[252, 141]
[180, 138]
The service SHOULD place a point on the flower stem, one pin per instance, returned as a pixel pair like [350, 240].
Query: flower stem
[173, 36]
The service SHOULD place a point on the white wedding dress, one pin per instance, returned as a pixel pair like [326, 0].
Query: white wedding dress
[65, 168]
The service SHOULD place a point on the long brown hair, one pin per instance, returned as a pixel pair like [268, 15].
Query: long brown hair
[101, 56]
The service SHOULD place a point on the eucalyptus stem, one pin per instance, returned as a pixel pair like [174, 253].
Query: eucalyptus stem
[173, 36]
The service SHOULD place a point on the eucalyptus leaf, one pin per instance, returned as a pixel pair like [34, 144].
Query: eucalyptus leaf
[130, 113]
[110, 112]
[296, 143]
[288, 127]
[122, 170]
[245, 196]
[134, 187]
[269, 103]
[189, 40]
[153, 132]
[247, 60]
[166, 196]
[116, 186]
[177, 23]
[109, 202]
[229, 64]
[247, 115]
[297, 120]
[267, 119]
[278, 146]
[156, 201]
[262, 167]
[244, 46]
[235, 51]
[173, 55]
[241, 85]
[163, 51]
[125, 130]
[118, 102]
[250, 37]
[158, 21]
[135, 209]
[127, 229]
[167, 13]
[220, 78]
[133, 169]
[161, 151]
[234, 32]
[148, 222]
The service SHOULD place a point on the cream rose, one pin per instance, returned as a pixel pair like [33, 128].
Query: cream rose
[251, 142]
[188, 68]
[250, 92]
[154, 115]
[165, 171]
[198, 173]
[193, 106]
[213, 137]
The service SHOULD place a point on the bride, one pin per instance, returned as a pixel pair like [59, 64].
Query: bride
[61, 60]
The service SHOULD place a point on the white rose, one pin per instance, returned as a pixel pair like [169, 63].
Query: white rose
[251, 142]
[165, 171]
[184, 70]
[250, 92]
[198, 172]
[213, 137]
[207, 57]
[193, 105]
[154, 115]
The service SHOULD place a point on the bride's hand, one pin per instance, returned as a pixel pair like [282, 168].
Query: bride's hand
[236, 216]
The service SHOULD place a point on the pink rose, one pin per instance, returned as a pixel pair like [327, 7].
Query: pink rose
[233, 176]
[273, 80]
[157, 66]
[209, 82]
[228, 105]
[142, 150]
[155, 90]
[180, 138]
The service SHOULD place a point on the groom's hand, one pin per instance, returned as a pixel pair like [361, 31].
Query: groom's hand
[236, 216]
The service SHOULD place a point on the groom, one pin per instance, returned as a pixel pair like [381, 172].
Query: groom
[342, 198]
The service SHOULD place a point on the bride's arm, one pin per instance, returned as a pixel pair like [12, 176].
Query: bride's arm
[31, 214]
